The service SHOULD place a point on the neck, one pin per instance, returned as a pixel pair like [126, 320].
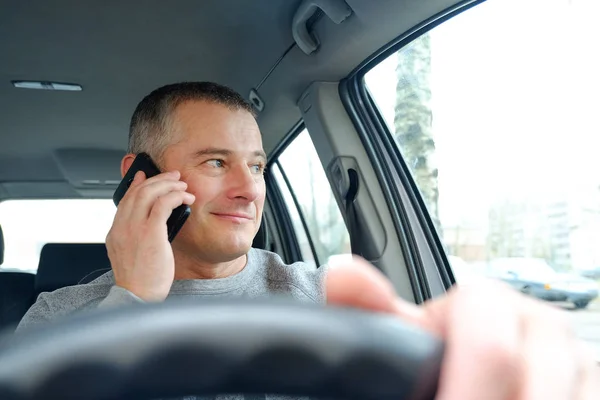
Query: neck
[190, 267]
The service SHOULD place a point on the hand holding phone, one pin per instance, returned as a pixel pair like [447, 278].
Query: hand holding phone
[144, 163]
[151, 210]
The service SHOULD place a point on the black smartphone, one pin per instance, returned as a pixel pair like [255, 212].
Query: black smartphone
[143, 162]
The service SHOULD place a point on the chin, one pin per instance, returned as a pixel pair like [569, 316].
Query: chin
[220, 243]
[235, 245]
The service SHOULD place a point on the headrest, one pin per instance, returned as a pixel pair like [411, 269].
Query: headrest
[1, 246]
[68, 264]
[261, 240]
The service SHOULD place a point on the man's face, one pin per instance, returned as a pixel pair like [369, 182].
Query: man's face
[219, 154]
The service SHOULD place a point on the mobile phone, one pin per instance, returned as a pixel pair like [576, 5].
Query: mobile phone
[143, 162]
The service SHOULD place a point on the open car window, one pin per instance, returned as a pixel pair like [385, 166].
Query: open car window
[29, 224]
[498, 129]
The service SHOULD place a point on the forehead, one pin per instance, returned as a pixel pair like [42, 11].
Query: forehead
[204, 123]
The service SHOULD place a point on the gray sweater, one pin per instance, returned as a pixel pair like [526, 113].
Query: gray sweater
[265, 274]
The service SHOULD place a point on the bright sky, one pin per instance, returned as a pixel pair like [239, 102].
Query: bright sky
[514, 99]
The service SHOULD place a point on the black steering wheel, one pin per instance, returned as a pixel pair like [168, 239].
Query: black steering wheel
[180, 348]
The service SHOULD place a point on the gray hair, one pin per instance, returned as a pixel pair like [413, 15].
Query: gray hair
[151, 123]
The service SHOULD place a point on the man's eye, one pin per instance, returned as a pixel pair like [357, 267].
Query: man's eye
[258, 168]
[215, 163]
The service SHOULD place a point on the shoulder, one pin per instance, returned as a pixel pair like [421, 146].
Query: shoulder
[79, 296]
[300, 276]
[64, 301]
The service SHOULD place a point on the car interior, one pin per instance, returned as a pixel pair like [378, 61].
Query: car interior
[60, 145]
[73, 72]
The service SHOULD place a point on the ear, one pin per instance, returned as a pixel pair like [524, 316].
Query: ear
[126, 163]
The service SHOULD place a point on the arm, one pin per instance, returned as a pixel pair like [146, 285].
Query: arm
[50, 306]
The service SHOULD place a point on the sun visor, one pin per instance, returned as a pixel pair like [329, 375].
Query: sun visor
[93, 169]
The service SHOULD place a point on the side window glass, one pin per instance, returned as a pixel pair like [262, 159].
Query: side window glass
[301, 235]
[499, 129]
[326, 228]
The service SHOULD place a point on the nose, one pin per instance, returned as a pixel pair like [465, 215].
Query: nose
[243, 184]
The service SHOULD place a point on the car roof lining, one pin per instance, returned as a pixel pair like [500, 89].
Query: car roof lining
[51, 142]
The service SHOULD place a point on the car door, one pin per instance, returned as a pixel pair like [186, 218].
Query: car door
[462, 137]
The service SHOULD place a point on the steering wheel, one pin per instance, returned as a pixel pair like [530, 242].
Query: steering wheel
[180, 348]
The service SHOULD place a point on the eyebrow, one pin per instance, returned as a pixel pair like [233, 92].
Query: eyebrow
[213, 151]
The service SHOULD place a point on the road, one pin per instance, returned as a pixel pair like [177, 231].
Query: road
[587, 324]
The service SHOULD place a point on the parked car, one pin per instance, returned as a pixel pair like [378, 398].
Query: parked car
[533, 276]
[593, 273]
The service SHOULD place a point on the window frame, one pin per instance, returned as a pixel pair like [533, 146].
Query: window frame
[429, 268]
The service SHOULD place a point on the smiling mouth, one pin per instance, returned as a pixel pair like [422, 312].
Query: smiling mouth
[234, 217]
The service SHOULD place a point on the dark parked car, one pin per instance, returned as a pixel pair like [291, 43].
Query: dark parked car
[533, 276]
[593, 273]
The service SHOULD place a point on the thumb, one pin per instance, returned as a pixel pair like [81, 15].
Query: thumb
[359, 284]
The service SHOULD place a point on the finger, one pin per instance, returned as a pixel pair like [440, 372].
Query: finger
[140, 203]
[164, 206]
[482, 358]
[588, 385]
[359, 284]
[549, 351]
[138, 178]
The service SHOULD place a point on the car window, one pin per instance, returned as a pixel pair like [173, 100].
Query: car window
[499, 130]
[304, 171]
[29, 224]
[301, 234]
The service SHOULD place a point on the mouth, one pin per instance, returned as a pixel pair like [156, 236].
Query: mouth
[234, 217]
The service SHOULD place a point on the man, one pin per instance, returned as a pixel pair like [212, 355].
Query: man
[206, 137]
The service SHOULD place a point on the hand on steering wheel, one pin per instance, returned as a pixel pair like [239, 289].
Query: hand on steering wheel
[499, 343]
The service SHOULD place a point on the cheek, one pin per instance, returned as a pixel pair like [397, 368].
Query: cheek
[204, 190]
[262, 196]
[260, 206]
